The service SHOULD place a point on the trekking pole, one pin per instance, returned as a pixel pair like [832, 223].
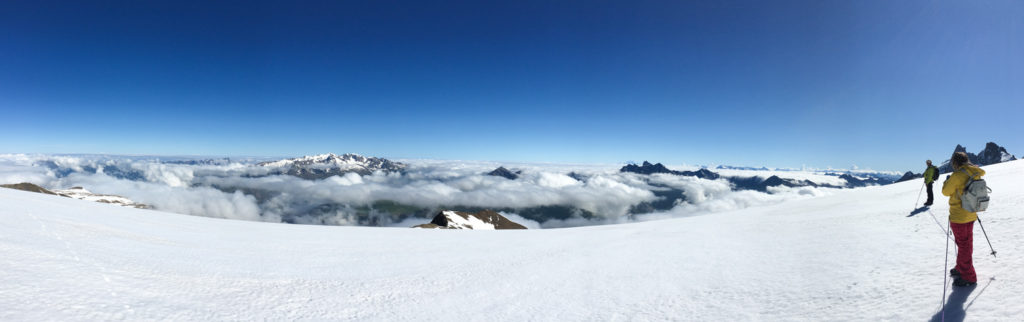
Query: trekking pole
[945, 275]
[986, 237]
[919, 195]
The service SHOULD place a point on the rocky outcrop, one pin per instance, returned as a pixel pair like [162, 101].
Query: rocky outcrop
[648, 168]
[28, 187]
[505, 173]
[82, 194]
[910, 175]
[483, 220]
[992, 154]
[78, 193]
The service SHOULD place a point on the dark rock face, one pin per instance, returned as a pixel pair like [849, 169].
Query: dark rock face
[992, 154]
[702, 173]
[30, 187]
[648, 168]
[577, 176]
[910, 175]
[505, 173]
[463, 220]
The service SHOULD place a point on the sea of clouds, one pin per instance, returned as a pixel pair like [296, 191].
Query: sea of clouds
[242, 190]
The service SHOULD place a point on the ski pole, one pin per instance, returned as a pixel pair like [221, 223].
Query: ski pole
[945, 274]
[986, 237]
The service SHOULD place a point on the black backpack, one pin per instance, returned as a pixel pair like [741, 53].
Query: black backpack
[935, 174]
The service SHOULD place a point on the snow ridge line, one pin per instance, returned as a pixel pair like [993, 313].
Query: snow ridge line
[75, 255]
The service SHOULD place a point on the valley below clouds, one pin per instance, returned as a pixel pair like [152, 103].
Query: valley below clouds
[410, 193]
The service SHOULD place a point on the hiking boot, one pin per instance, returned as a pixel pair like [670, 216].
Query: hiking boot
[954, 273]
[959, 282]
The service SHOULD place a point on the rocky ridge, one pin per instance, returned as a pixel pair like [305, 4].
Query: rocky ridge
[78, 193]
[992, 154]
[327, 165]
[483, 220]
[648, 168]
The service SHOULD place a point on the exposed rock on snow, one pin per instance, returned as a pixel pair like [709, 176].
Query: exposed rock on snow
[327, 165]
[30, 187]
[78, 193]
[484, 220]
[992, 154]
[82, 194]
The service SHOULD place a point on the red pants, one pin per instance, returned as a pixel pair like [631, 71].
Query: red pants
[964, 236]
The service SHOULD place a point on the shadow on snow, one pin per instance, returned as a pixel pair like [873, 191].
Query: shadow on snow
[955, 309]
[917, 211]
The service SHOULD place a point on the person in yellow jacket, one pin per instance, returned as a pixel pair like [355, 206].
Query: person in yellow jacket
[961, 221]
[930, 174]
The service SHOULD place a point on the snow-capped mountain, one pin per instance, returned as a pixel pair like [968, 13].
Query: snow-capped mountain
[326, 165]
[856, 255]
[483, 220]
[993, 154]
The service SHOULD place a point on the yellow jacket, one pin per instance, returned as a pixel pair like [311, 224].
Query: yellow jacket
[954, 187]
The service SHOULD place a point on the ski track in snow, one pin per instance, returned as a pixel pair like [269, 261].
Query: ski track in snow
[856, 255]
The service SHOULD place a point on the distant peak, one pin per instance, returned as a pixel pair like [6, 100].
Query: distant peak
[329, 164]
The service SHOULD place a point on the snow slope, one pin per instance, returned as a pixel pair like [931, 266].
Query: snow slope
[853, 255]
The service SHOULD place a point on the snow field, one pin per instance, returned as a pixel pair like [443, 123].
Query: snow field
[853, 255]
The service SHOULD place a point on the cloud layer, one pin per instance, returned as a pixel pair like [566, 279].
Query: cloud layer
[241, 190]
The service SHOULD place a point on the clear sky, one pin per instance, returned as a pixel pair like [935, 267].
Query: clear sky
[877, 84]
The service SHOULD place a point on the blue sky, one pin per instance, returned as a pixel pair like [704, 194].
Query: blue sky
[878, 84]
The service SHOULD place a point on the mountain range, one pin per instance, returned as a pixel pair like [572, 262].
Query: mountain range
[853, 256]
[991, 154]
[648, 168]
[327, 165]
[295, 201]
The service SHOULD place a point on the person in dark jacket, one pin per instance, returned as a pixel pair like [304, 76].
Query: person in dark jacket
[961, 221]
[929, 178]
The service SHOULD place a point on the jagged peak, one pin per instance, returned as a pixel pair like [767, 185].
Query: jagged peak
[324, 158]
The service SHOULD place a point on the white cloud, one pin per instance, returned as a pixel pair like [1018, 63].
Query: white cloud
[193, 189]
